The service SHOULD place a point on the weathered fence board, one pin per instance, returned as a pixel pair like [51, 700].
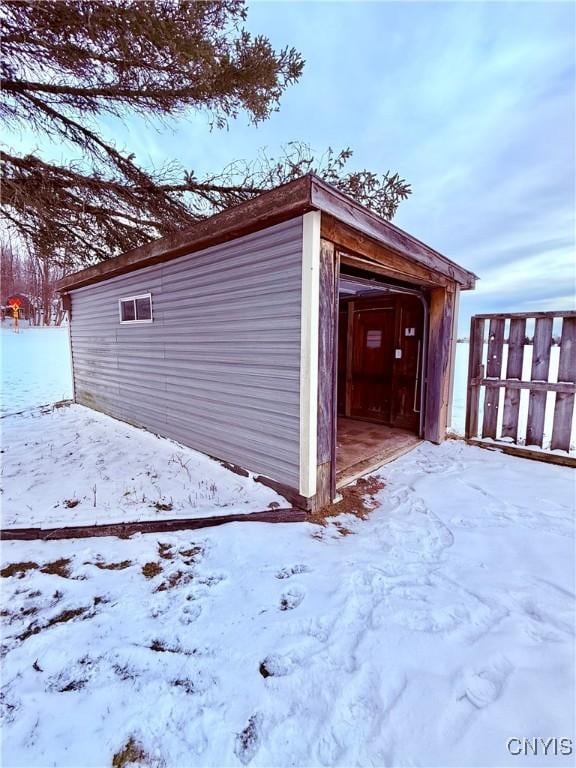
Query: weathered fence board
[564, 406]
[475, 373]
[516, 341]
[538, 387]
[493, 371]
[542, 345]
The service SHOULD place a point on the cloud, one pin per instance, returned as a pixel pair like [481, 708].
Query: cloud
[472, 102]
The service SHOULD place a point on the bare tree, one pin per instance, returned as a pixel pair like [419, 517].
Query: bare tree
[66, 64]
[26, 274]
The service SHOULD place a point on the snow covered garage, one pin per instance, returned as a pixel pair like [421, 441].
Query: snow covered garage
[297, 335]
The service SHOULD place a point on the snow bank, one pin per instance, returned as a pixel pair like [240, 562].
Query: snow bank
[437, 630]
[75, 466]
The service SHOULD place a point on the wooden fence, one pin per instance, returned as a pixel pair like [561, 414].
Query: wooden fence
[515, 357]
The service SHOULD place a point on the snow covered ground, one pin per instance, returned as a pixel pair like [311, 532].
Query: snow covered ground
[74, 466]
[427, 635]
[35, 367]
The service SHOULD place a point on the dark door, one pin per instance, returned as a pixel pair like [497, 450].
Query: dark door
[372, 363]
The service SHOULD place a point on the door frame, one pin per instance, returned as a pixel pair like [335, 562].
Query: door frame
[331, 257]
[378, 283]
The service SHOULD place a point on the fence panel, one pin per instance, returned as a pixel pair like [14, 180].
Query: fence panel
[532, 364]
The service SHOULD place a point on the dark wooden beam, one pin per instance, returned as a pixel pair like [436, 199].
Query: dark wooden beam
[124, 530]
[290, 494]
[525, 453]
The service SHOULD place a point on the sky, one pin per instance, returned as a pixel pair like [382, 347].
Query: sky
[473, 103]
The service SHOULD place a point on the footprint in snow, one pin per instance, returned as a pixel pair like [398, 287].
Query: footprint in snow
[439, 467]
[276, 665]
[293, 570]
[484, 685]
[329, 748]
[477, 689]
[291, 599]
[248, 741]
[190, 613]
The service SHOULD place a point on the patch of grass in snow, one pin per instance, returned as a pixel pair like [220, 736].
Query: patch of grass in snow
[358, 499]
[165, 551]
[161, 647]
[18, 568]
[186, 684]
[125, 672]
[61, 618]
[73, 685]
[150, 570]
[163, 506]
[19, 614]
[190, 554]
[176, 579]
[131, 753]
[113, 566]
[58, 567]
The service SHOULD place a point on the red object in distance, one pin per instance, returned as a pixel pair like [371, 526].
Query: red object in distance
[14, 301]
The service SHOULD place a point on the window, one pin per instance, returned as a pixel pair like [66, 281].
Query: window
[136, 309]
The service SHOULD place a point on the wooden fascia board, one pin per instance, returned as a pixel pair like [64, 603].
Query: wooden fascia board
[329, 200]
[273, 207]
[366, 253]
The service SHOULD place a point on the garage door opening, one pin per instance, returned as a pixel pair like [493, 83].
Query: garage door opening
[381, 349]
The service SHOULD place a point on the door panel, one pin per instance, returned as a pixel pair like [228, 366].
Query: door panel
[372, 363]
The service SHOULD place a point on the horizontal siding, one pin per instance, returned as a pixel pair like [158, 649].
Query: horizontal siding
[219, 368]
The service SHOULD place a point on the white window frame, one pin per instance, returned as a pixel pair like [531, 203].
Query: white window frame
[133, 298]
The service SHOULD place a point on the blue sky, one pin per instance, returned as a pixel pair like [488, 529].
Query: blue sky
[473, 103]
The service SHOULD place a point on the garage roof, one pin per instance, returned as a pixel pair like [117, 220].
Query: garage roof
[307, 193]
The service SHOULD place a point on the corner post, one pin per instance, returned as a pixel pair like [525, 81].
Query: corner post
[438, 367]
[309, 316]
[327, 375]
